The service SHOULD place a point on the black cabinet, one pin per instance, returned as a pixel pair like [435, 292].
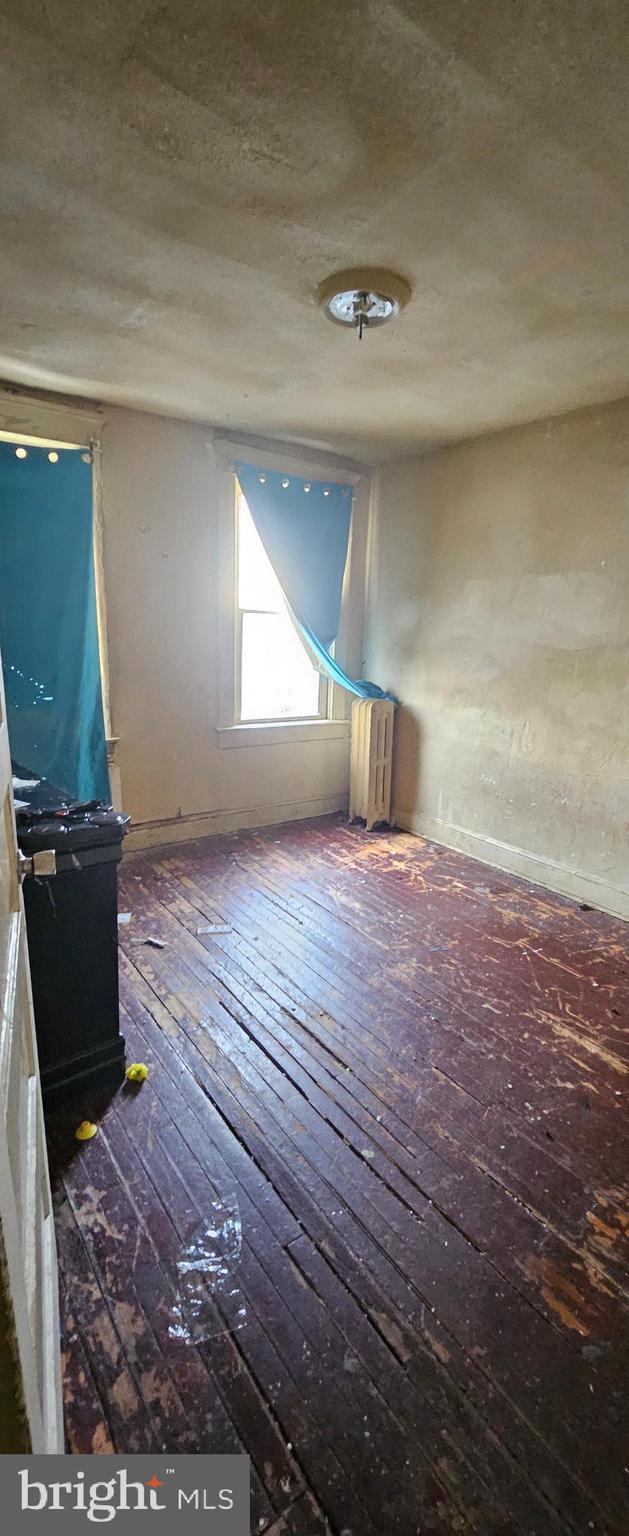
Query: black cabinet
[72, 928]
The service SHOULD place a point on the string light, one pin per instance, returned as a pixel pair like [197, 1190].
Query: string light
[20, 453]
[53, 458]
[38, 698]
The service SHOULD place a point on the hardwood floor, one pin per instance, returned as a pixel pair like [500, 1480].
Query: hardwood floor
[404, 1076]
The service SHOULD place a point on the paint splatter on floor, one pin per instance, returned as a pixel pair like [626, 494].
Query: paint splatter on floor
[409, 1072]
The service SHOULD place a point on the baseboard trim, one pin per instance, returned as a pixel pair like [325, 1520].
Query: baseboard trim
[185, 829]
[517, 861]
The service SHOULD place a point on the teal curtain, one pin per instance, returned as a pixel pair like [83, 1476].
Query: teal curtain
[48, 625]
[304, 526]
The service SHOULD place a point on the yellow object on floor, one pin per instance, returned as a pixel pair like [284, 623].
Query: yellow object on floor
[137, 1072]
[85, 1130]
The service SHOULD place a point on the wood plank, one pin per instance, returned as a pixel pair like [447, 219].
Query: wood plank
[358, 1181]
[447, 1178]
[304, 1518]
[523, 1091]
[404, 1067]
[356, 1236]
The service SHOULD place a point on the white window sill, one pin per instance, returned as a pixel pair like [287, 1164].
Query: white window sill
[273, 734]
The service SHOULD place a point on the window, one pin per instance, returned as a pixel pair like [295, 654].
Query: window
[277, 681]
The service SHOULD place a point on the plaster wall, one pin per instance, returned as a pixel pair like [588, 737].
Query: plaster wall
[161, 509]
[499, 614]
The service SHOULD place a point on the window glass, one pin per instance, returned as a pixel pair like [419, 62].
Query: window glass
[277, 678]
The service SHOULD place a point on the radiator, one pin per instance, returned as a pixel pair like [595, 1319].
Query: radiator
[370, 767]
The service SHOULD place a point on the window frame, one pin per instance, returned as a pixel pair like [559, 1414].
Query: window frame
[230, 730]
[51, 423]
[325, 683]
[54, 424]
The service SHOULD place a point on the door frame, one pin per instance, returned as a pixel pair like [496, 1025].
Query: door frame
[31, 1396]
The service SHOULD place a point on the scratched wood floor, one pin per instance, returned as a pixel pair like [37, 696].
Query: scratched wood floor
[409, 1071]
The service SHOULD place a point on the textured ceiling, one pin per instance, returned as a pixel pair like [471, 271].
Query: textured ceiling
[179, 175]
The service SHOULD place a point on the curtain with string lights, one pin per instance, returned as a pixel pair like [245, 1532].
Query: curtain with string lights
[304, 525]
[48, 622]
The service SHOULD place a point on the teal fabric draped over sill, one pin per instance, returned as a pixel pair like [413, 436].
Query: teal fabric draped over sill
[304, 526]
[48, 624]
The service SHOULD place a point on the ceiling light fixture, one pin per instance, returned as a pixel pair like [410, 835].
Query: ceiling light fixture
[363, 296]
